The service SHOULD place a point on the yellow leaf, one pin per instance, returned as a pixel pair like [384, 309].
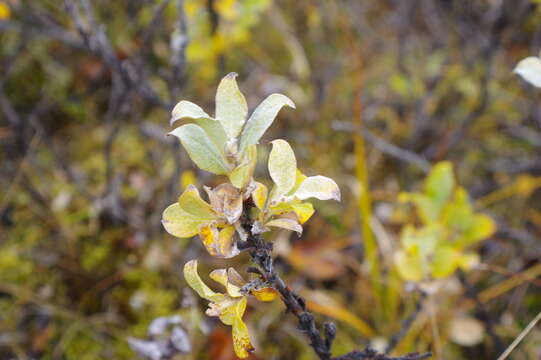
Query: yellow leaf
[187, 178]
[323, 304]
[260, 195]
[220, 276]
[319, 187]
[219, 243]
[282, 165]
[265, 294]
[410, 266]
[191, 202]
[241, 339]
[195, 282]
[227, 201]
[179, 223]
[231, 107]
[445, 262]
[240, 177]
[304, 211]
[287, 224]
[5, 12]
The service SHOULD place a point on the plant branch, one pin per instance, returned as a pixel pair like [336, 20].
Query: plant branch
[261, 255]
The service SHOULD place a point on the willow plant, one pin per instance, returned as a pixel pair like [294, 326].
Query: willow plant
[240, 211]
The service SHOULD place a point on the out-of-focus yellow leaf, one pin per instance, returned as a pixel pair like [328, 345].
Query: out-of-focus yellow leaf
[5, 12]
[445, 261]
[323, 304]
[410, 265]
[187, 178]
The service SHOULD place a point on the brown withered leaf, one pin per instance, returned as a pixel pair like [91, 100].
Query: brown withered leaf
[226, 200]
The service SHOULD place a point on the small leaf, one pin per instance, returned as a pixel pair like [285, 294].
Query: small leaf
[481, 227]
[219, 243]
[221, 276]
[240, 177]
[179, 223]
[227, 201]
[203, 152]
[468, 261]
[231, 107]
[241, 339]
[319, 187]
[262, 118]
[187, 109]
[445, 262]
[190, 201]
[266, 294]
[287, 224]
[195, 282]
[439, 185]
[409, 265]
[530, 70]
[304, 211]
[259, 195]
[282, 165]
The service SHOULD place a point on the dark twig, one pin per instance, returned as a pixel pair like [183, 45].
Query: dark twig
[261, 254]
[482, 314]
[406, 324]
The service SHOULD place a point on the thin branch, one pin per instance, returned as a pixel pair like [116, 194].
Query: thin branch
[261, 255]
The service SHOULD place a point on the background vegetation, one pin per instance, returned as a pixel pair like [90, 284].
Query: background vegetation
[383, 89]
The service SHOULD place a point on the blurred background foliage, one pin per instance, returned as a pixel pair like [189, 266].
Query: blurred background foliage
[384, 89]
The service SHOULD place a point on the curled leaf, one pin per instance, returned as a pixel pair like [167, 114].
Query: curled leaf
[241, 339]
[219, 243]
[262, 118]
[221, 276]
[226, 200]
[231, 107]
[203, 152]
[265, 294]
[287, 224]
[259, 195]
[319, 187]
[195, 282]
[282, 165]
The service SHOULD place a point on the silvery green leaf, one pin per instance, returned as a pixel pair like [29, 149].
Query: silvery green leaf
[530, 70]
[319, 187]
[262, 118]
[231, 107]
[213, 128]
[282, 165]
[201, 149]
